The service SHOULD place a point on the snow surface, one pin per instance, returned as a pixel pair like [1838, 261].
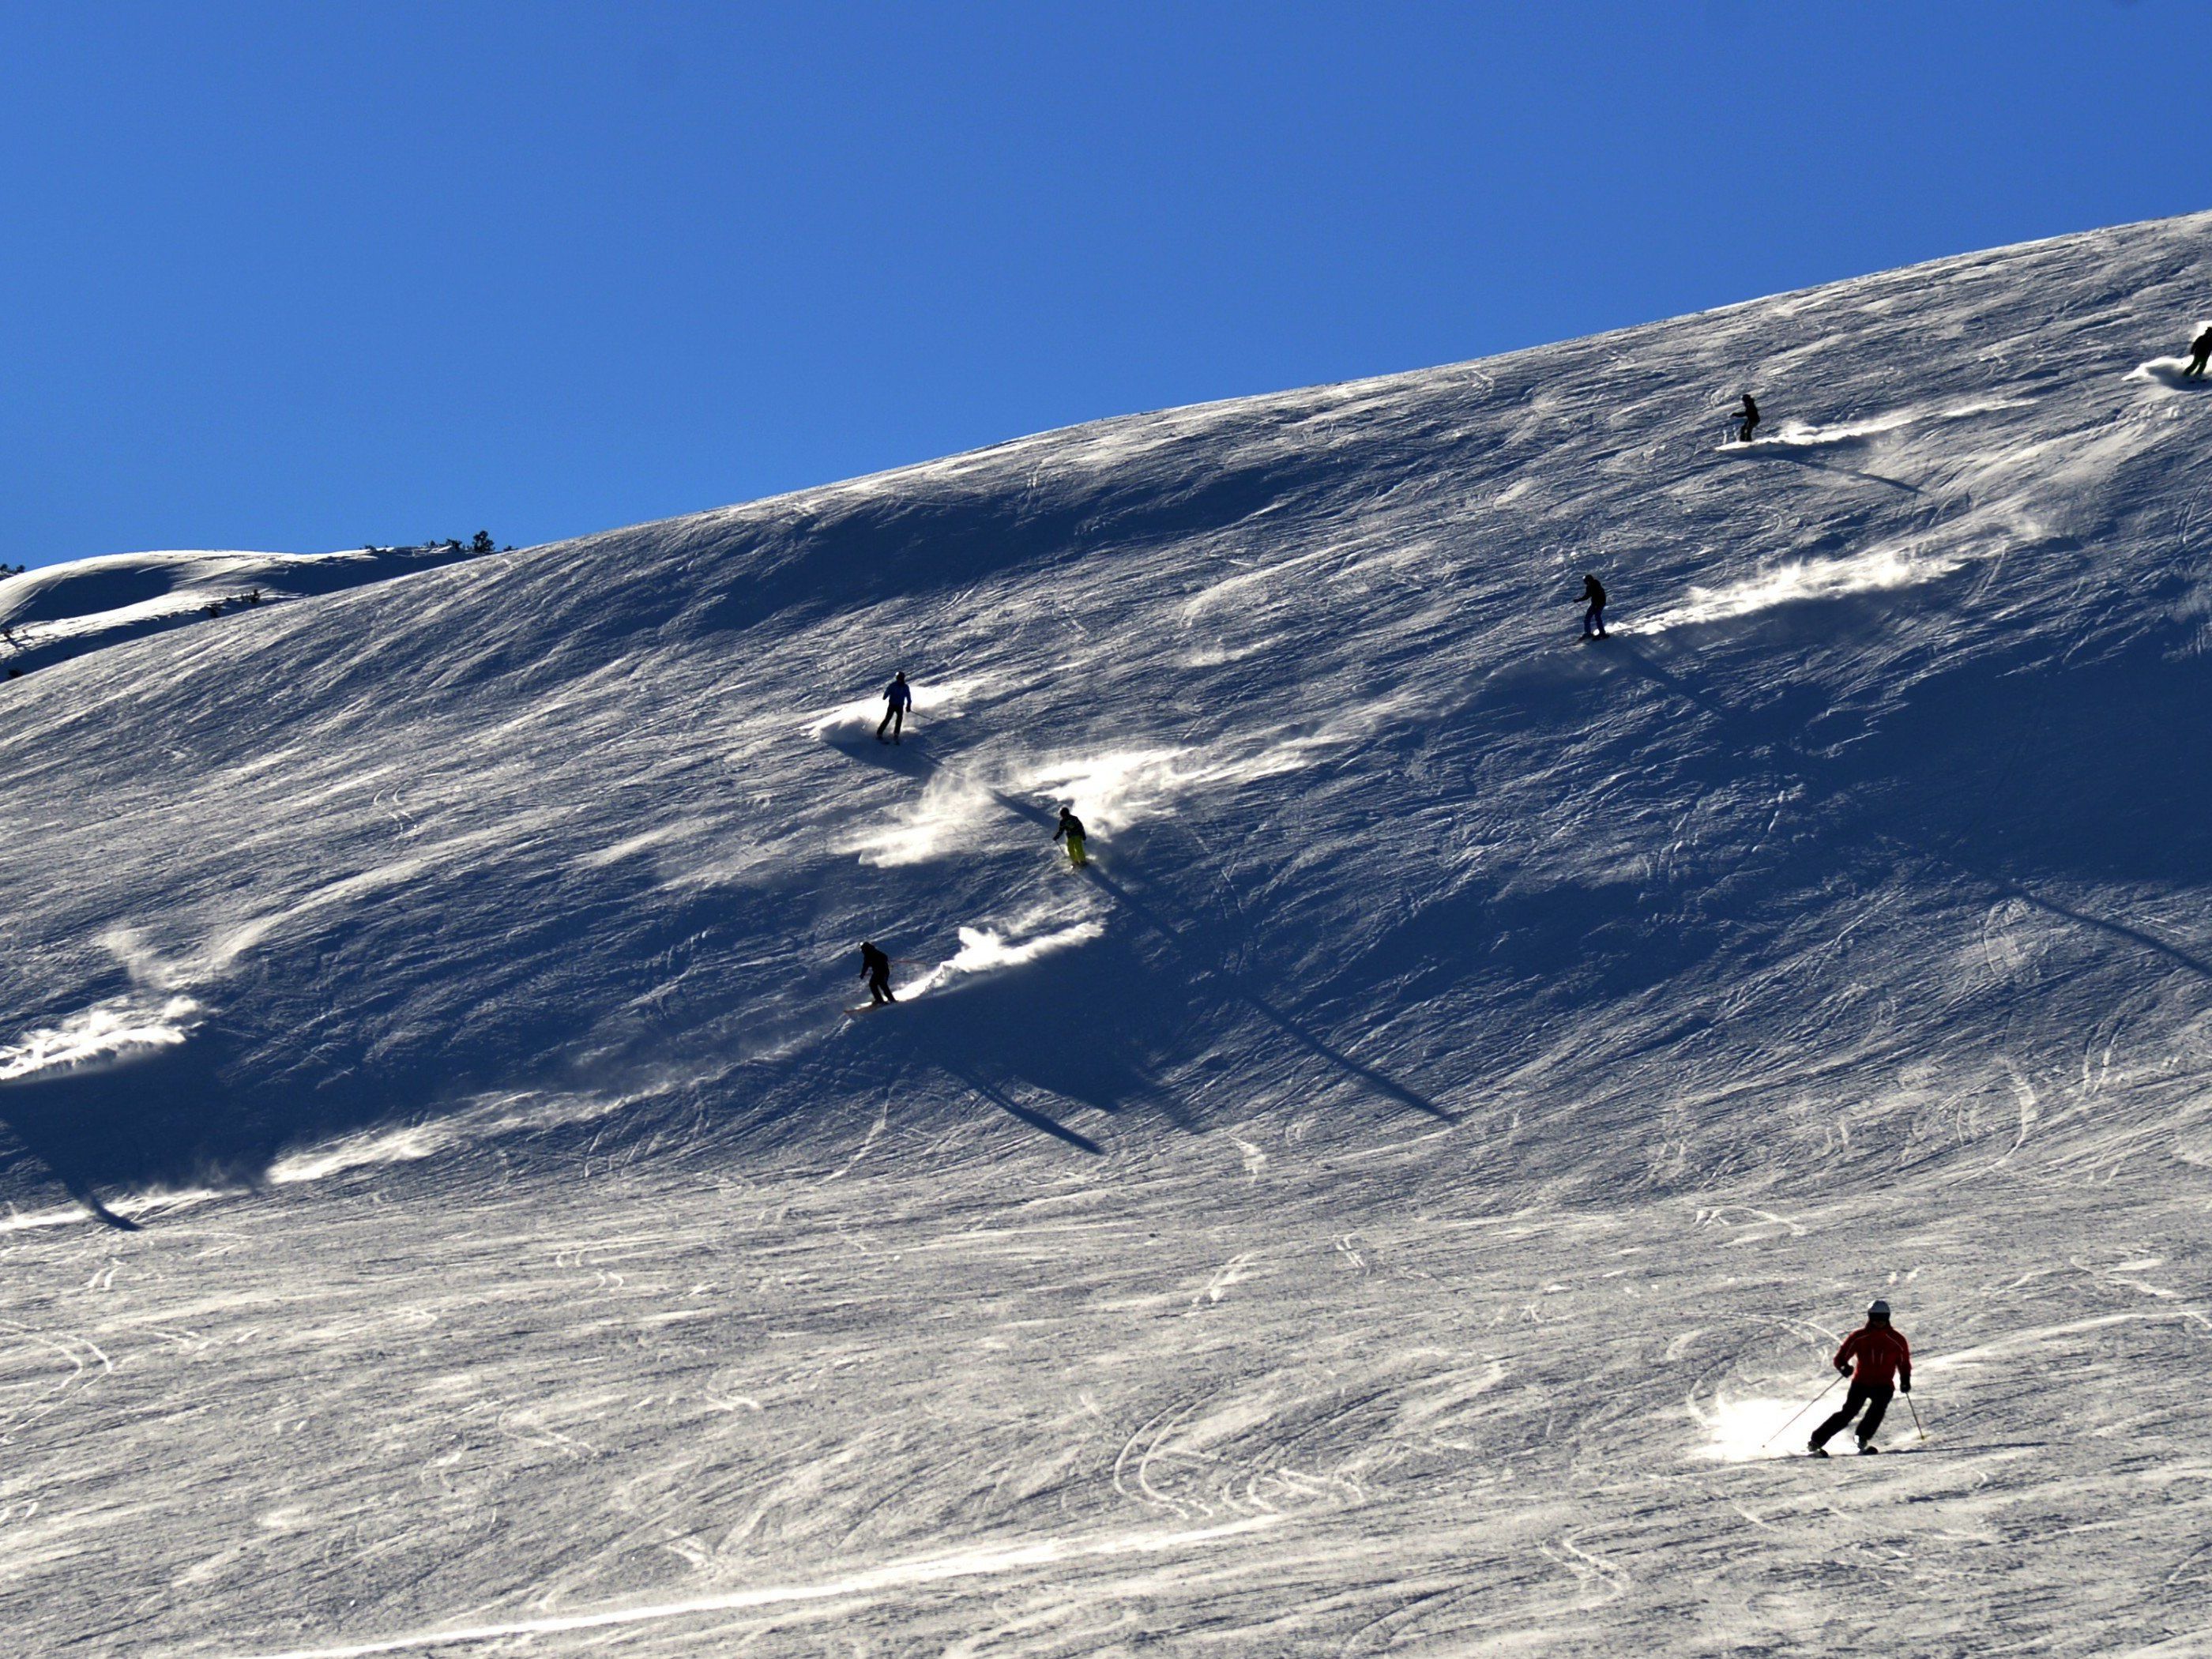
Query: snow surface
[1394, 1201]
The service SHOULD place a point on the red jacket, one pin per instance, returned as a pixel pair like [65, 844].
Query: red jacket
[1883, 1354]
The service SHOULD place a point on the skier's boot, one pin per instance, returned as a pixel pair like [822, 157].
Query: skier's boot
[1814, 1448]
[1867, 1448]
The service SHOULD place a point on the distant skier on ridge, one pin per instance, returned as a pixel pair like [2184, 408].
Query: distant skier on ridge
[2200, 352]
[1594, 618]
[1072, 827]
[875, 968]
[1882, 1354]
[1748, 417]
[898, 698]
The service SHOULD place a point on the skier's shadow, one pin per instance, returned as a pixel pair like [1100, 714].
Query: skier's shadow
[912, 759]
[1367, 1076]
[1027, 1115]
[1799, 457]
[1022, 809]
[1036, 1031]
[137, 1124]
[1825, 779]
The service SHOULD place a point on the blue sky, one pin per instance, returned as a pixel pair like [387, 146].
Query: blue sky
[304, 276]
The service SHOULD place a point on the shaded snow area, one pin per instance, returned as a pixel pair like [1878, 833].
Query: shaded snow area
[1395, 1200]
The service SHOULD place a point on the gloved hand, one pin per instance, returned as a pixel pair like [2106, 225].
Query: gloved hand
[1904, 1385]
[1843, 1371]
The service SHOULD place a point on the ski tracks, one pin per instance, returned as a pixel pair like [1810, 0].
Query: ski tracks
[25, 1402]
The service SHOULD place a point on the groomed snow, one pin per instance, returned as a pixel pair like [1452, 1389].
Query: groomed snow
[1396, 1200]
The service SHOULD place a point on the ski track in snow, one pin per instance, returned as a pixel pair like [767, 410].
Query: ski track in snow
[1402, 1197]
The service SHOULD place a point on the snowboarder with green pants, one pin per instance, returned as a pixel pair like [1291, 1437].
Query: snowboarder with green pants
[1072, 827]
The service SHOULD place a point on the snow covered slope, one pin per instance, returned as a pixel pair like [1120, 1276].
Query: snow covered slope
[1387, 1203]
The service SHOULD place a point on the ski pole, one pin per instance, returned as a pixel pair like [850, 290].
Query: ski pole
[1915, 1410]
[1801, 1412]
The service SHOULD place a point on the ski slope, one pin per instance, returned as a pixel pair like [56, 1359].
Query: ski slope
[1394, 1202]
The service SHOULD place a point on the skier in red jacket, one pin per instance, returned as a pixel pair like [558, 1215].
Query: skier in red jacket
[1885, 1368]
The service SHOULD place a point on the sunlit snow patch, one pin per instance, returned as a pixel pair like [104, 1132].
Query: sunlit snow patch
[1986, 406]
[110, 1033]
[1810, 579]
[1744, 1430]
[161, 1201]
[487, 1118]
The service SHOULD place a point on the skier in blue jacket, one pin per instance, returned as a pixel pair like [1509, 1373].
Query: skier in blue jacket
[898, 698]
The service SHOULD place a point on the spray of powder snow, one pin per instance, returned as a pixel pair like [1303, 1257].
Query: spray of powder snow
[1811, 578]
[1745, 1430]
[108, 1034]
[2171, 371]
[1112, 791]
[947, 818]
[983, 951]
[1798, 435]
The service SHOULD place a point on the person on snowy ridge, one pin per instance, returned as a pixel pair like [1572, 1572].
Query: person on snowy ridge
[2200, 352]
[1072, 827]
[898, 698]
[1749, 415]
[1882, 1354]
[875, 967]
[1594, 618]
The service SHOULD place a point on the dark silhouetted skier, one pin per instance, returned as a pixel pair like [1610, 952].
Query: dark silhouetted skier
[898, 698]
[1594, 618]
[2200, 352]
[1748, 418]
[1884, 1359]
[1072, 827]
[875, 967]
